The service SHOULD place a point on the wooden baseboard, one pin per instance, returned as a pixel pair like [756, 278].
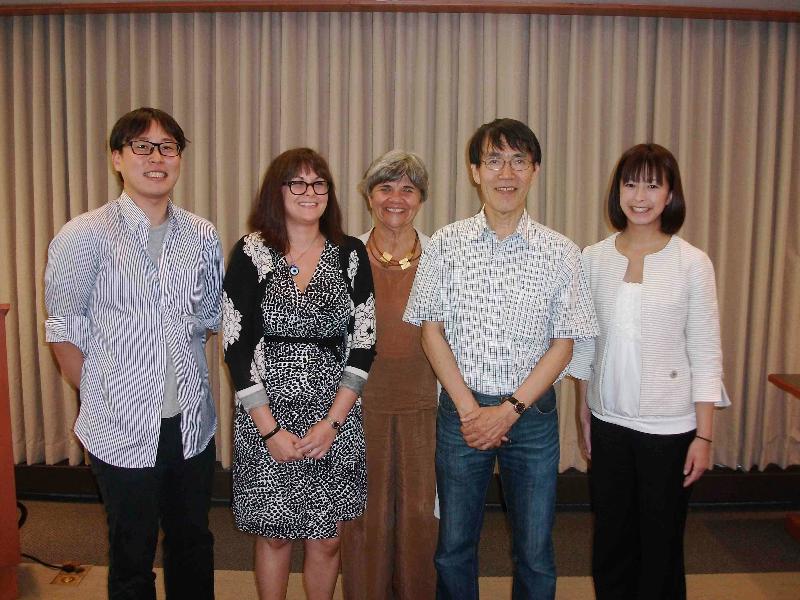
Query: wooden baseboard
[792, 524]
[773, 487]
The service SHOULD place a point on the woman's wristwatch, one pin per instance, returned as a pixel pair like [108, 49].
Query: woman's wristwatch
[336, 425]
[519, 405]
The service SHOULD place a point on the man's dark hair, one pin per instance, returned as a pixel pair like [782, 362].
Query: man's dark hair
[648, 162]
[515, 134]
[135, 123]
[269, 213]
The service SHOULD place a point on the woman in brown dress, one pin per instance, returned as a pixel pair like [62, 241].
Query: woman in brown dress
[387, 553]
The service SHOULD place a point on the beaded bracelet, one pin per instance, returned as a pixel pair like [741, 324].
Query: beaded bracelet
[266, 436]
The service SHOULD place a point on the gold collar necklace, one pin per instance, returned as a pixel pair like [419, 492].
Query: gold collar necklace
[387, 260]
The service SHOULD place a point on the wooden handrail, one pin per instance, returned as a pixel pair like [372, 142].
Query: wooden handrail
[787, 382]
[476, 6]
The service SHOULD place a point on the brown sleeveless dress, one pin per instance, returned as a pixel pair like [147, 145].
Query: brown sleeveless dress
[387, 553]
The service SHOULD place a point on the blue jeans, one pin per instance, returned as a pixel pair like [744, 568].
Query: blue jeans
[528, 470]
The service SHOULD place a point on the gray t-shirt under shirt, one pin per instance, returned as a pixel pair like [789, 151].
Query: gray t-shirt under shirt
[170, 408]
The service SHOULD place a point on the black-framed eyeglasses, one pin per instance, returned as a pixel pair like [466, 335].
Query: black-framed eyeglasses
[518, 163]
[299, 187]
[144, 147]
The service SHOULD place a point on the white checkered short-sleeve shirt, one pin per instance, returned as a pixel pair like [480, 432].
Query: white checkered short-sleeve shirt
[501, 301]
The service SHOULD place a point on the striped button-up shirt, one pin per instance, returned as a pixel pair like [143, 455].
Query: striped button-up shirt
[104, 295]
[501, 301]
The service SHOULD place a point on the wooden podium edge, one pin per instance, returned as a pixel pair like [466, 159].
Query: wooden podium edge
[9, 533]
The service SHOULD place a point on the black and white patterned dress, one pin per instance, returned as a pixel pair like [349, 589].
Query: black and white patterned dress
[296, 347]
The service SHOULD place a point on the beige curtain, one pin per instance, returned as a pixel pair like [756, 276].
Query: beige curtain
[723, 95]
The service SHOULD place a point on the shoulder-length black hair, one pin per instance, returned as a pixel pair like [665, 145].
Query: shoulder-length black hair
[269, 213]
[648, 162]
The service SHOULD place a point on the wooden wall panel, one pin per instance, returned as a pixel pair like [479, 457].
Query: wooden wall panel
[9, 534]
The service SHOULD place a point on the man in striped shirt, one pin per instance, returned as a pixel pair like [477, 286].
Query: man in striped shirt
[132, 290]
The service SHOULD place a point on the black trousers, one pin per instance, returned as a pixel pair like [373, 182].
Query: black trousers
[639, 504]
[176, 494]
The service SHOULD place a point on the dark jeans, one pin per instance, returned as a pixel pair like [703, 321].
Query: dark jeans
[175, 493]
[528, 469]
[640, 505]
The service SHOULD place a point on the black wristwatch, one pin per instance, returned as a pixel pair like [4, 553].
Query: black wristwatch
[519, 405]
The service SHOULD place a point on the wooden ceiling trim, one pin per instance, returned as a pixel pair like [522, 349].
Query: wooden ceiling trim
[476, 6]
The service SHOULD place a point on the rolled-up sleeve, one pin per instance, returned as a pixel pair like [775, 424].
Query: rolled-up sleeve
[573, 313]
[583, 351]
[426, 300]
[211, 311]
[68, 283]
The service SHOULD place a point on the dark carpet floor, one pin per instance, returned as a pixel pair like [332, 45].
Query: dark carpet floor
[716, 541]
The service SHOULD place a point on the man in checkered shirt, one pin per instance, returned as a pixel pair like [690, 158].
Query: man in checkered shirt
[500, 299]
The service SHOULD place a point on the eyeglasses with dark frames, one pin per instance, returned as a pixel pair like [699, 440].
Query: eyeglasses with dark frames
[143, 147]
[299, 187]
[518, 163]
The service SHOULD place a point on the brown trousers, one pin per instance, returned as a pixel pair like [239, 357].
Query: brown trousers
[387, 553]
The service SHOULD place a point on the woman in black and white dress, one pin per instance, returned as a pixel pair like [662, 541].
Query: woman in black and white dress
[299, 338]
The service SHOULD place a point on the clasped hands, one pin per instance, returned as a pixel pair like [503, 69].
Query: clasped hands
[487, 427]
[285, 446]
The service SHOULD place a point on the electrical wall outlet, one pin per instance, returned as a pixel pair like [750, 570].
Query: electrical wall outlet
[73, 576]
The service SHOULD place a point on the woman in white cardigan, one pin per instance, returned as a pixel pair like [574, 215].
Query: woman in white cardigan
[651, 379]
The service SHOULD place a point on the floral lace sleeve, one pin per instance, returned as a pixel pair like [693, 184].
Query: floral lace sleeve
[361, 328]
[242, 322]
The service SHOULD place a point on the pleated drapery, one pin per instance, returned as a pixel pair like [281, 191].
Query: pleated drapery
[722, 95]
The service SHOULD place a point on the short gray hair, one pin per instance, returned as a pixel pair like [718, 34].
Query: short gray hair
[391, 167]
